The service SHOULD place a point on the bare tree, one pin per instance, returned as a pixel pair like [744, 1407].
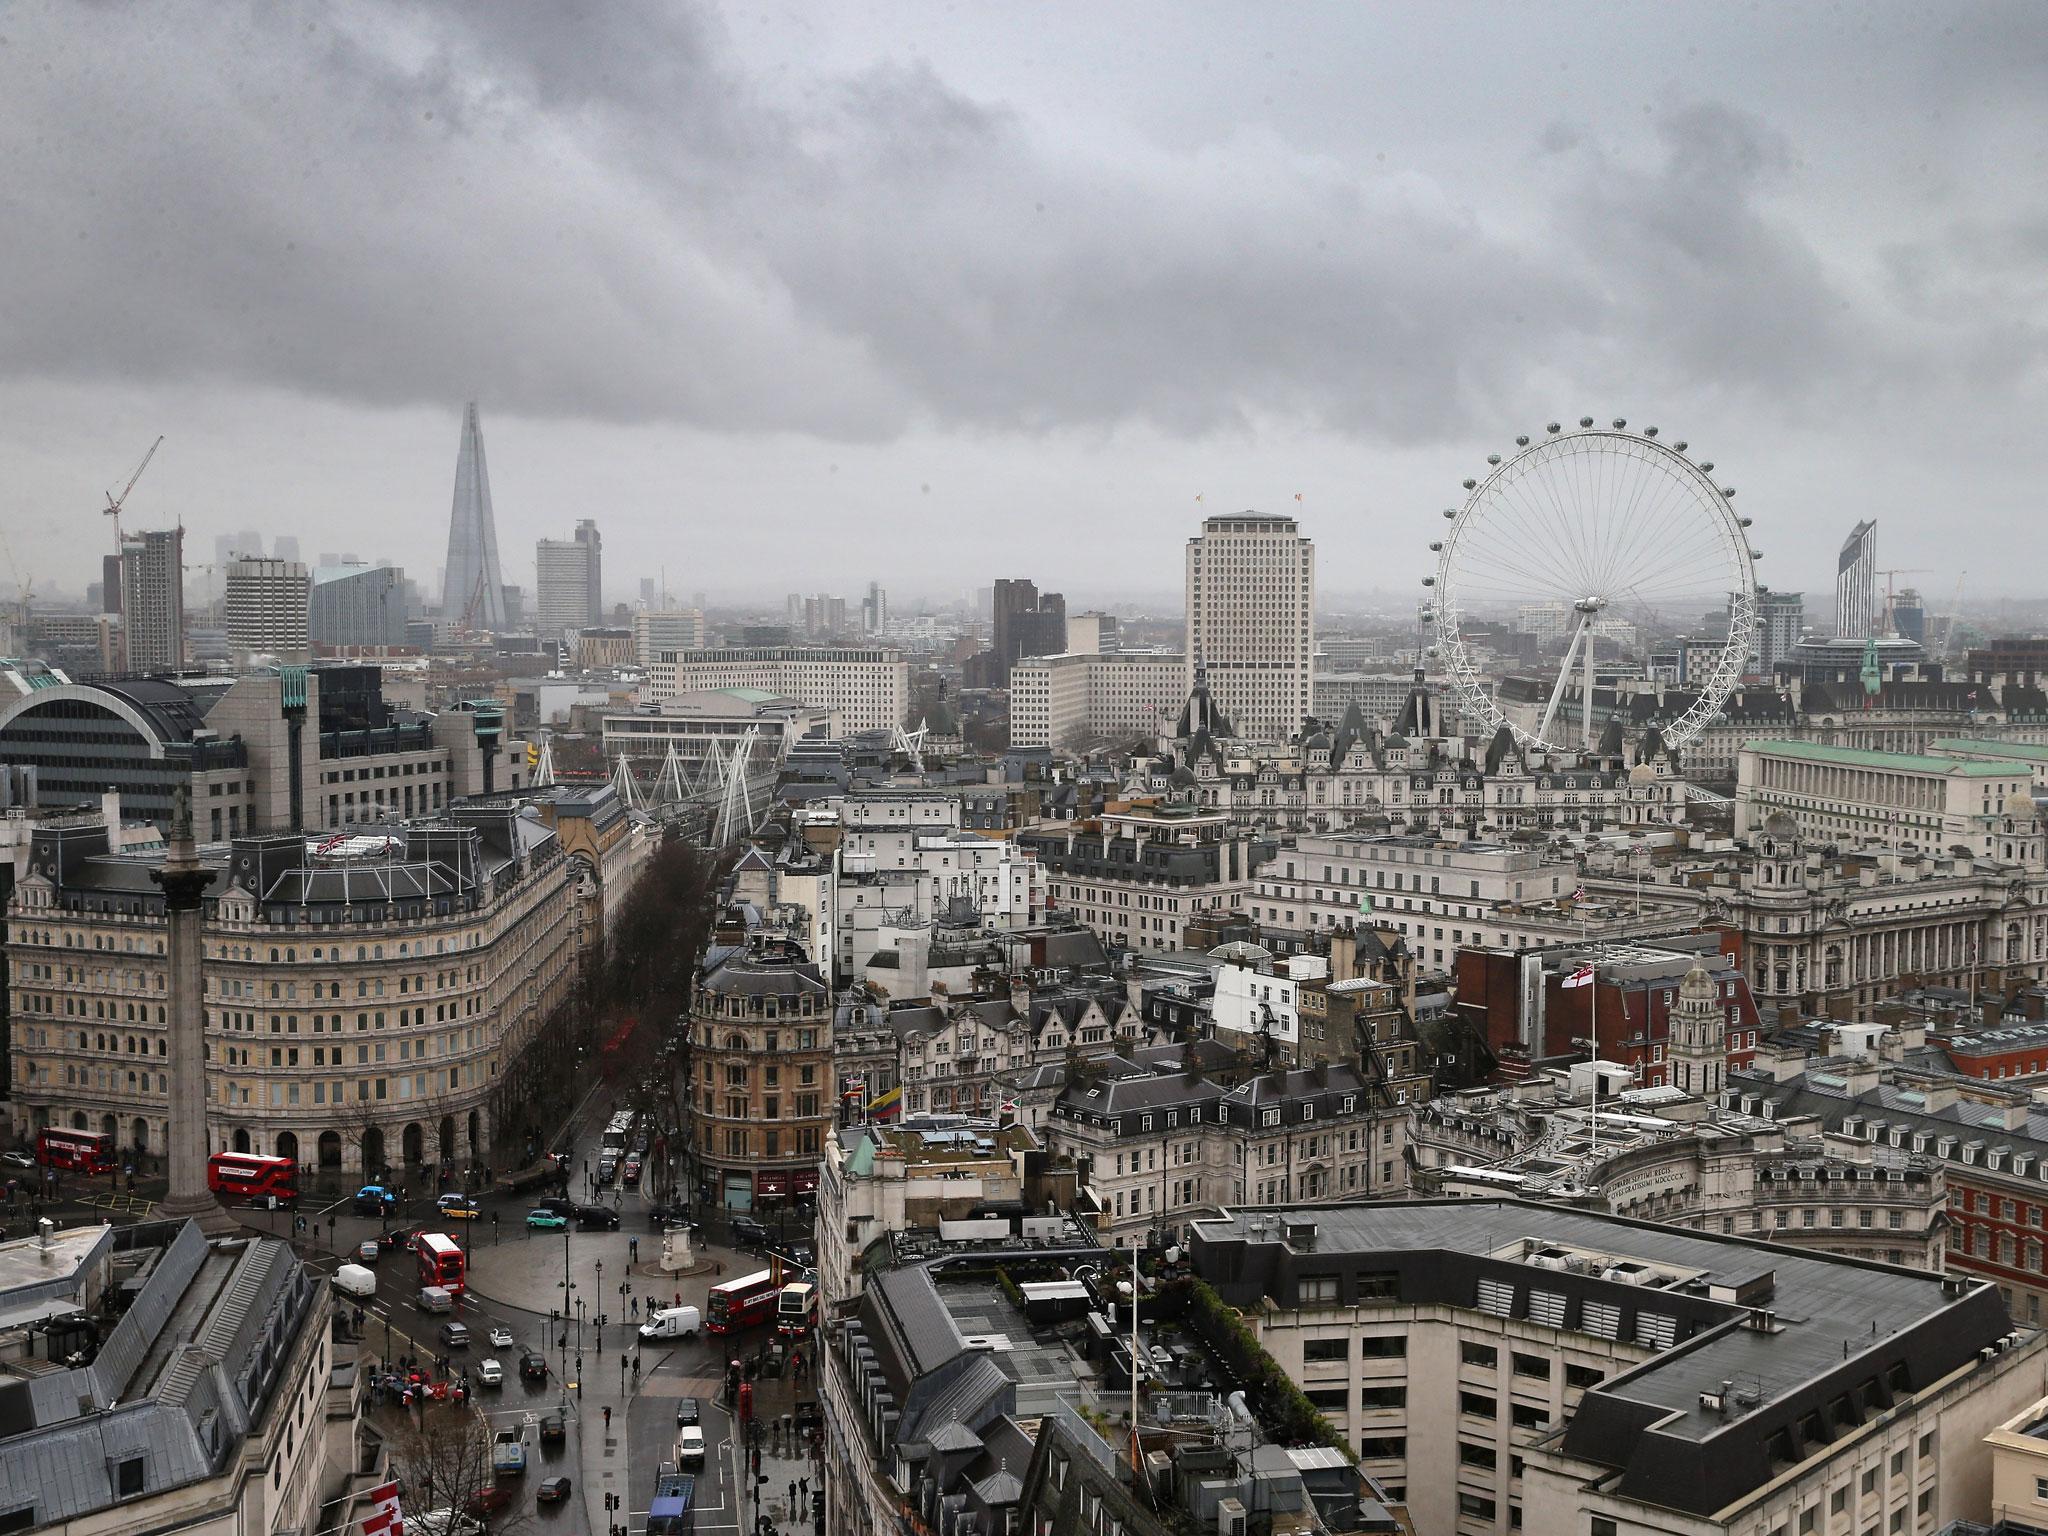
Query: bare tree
[444, 1456]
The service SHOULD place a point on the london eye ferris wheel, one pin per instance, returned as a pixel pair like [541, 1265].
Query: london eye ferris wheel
[1587, 532]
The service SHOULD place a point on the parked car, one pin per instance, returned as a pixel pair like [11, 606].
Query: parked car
[599, 1218]
[534, 1367]
[455, 1335]
[367, 1251]
[541, 1220]
[459, 1208]
[501, 1337]
[552, 1490]
[491, 1373]
[375, 1200]
[688, 1411]
[551, 1429]
[690, 1446]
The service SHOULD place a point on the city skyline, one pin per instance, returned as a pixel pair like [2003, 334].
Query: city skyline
[1762, 260]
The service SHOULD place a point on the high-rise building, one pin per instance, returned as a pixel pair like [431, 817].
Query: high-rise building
[110, 583]
[1909, 616]
[153, 598]
[473, 589]
[1092, 634]
[284, 547]
[567, 573]
[1780, 617]
[352, 605]
[1251, 595]
[266, 609]
[1856, 584]
[874, 609]
[1027, 623]
[655, 632]
[230, 547]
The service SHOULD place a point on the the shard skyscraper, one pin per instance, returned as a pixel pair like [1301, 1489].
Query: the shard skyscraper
[473, 592]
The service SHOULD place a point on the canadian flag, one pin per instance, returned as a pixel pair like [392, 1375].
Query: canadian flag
[1582, 977]
[383, 1518]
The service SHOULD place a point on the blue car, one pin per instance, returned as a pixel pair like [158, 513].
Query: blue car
[375, 1200]
[540, 1220]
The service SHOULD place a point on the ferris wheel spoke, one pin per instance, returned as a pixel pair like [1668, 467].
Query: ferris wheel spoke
[1648, 492]
[1558, 523]
[1516, 556]
[1659, 522]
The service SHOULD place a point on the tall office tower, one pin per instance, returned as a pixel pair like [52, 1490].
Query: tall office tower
[1780, 617]
[874, 609]
[267, 609]
[229, 547]
[284, 547]
[1027, 623]
[1251, 602]
[566, 575]
[352, 605]
[473, 590]
[647, 595]
[110, 583]
[656, 630]
[153, 598]
[1856, 584]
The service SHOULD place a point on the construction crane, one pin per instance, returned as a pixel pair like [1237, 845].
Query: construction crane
[1897, 570]
[116, 503]
[22, 584]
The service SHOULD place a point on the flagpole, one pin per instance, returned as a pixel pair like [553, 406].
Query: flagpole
[1594, 1017]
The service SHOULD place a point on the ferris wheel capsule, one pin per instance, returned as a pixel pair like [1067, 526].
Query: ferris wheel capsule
[1747, 522]
[1469, 484]
[1554, 427]
[1436, 546]
[1521, 442]
[1649, 431]
[1620, 424]
[1585, 421]
[1706, 466]
[1429, 581]
[1493, 458]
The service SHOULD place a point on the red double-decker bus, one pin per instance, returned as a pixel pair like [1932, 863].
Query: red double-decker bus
[741, 1303]
[441, 1262]
[247, 1179]
[84, 1151]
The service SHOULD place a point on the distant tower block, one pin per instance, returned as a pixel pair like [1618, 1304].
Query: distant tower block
[472, 589]
[184, 880]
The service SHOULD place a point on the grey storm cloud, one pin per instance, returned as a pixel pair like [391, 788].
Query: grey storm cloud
[599, 210]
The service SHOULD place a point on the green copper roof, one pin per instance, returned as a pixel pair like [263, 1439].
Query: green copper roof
[1906, 762]
[2011, 751]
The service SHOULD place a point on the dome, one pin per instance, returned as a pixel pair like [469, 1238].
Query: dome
[1779, 824]
[1642, 773]
[1183, 778]
[2020, 806]
[1698, 986]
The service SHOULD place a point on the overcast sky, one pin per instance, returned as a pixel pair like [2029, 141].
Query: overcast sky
[795, 295]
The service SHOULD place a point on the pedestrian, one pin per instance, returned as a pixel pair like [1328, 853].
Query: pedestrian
[607, 1416]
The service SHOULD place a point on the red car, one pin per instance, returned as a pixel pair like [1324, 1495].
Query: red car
[489, 1499]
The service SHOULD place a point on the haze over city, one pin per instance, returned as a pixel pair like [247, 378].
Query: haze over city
[1014, 283]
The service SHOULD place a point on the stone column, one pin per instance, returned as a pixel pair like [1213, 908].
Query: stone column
[184, 880]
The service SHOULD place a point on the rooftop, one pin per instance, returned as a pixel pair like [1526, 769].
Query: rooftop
[1898, 762]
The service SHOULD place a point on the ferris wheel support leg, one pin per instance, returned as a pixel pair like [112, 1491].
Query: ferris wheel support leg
[1564, 671]
[1587, 712]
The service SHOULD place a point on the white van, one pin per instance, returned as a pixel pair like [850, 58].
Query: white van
[436, 1298]
[672, 1323]
[356, 1279]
